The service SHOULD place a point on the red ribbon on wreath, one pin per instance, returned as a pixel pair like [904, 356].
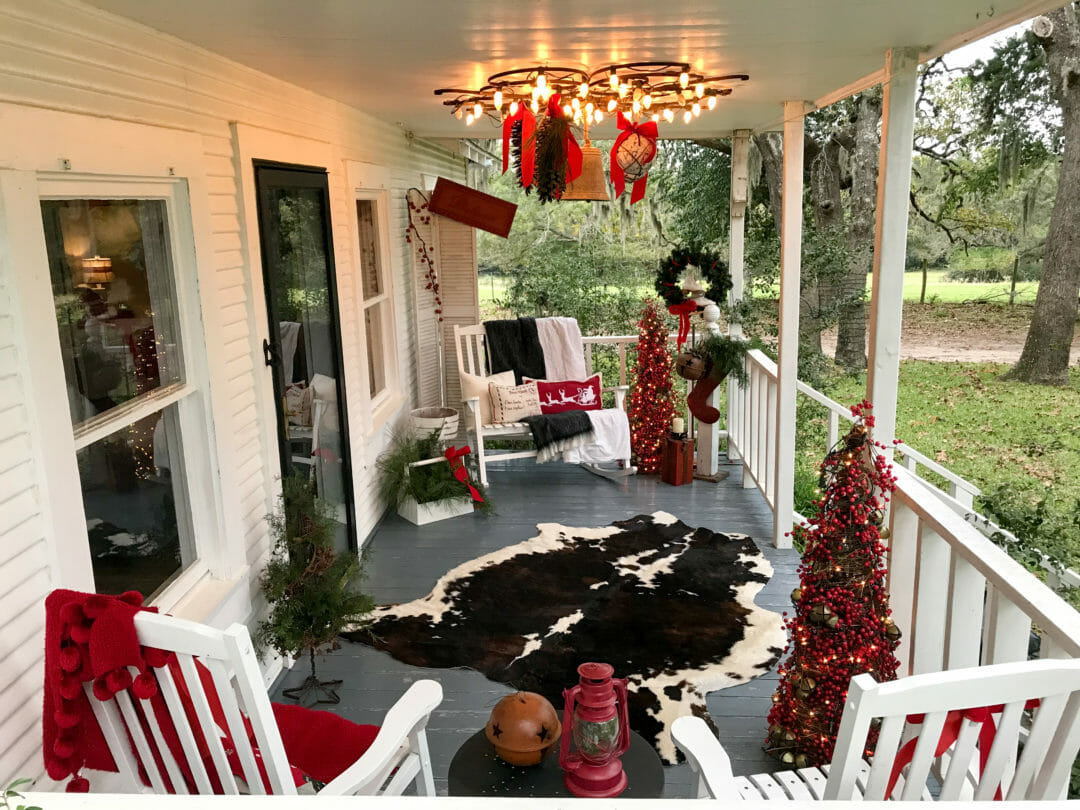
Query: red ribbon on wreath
[573, 151]
[950, 733]
[528, 142]
[684, 311]
[457, 467]
[647, 130]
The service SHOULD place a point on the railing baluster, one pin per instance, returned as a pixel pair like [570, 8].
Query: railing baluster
[967, 592]
[932, 583]
[588, 358]
[834, 430]
[622, 364]
[1006, 631]
[903, 545]
[964, 496]
[770, 445]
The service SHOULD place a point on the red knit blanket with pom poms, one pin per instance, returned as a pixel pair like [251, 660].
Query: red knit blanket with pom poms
[90, 638]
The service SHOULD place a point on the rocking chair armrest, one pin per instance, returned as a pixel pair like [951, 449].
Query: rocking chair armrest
[472, 412]
[707, 758]
[400, 723]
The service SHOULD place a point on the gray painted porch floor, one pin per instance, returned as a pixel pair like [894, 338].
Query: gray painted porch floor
[406, 560]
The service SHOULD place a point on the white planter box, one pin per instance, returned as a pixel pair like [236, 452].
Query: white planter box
[423, 513]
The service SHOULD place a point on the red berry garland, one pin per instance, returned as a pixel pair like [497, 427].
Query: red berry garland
[418, 206]
[841, 625]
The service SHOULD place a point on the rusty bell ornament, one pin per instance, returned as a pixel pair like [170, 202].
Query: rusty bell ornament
[596, 713]
[523, 727]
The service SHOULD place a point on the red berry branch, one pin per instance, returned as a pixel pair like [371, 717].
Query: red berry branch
[418, 210]
[842, 625]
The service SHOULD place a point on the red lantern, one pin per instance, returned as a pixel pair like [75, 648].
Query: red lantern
[596, 714]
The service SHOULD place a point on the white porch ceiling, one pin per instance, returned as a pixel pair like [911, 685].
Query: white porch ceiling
[386, 56]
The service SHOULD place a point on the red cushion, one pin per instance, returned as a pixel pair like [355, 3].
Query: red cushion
[557, 396]
[321, 744]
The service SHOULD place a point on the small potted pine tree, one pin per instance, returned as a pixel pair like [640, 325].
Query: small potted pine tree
[310, 587]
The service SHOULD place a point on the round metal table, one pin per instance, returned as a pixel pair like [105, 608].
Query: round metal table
[476, 770]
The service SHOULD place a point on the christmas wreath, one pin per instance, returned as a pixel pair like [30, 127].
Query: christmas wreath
[714, 272]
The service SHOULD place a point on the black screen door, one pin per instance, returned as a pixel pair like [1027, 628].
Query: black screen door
[303, 348]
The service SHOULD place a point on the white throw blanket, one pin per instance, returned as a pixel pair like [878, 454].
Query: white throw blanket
[610, 443]
[564, 353]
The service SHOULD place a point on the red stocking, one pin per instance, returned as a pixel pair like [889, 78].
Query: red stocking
[698, 399]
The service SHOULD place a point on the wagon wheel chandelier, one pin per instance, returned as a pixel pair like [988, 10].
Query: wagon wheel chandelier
[639, 90]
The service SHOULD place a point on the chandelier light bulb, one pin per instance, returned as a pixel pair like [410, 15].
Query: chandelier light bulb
[513, 107]
[699, 91]
[611, 105]
[687, 117]
[684, 79]
[696, 109]
[669, 116]
[469, 119]
[541, 82]
[589, 107]
[568, 110]
[655, 117]
[583, 89]
[711, 103]
[497, 99]
[459, 113]
[577, 116]
[477, 110]
[535, 93]
[575, 103]
[646, 101]
[535, 106]
[598, 116]
[623, 90]
[614, 80]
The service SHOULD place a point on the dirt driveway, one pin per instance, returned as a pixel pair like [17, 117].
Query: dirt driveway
[975, 333]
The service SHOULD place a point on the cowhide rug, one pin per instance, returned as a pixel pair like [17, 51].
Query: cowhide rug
[670, 607]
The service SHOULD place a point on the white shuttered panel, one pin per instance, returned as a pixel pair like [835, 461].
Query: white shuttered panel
[461, 300]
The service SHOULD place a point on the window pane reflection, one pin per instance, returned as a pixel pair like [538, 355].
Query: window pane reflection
[114, 298]
[135, 504]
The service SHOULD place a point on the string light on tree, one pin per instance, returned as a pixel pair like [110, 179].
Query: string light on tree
[841, 626]
[652, 401]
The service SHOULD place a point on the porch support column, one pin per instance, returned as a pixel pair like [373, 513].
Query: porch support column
[890, 239]
[787, 359]
[740, 196]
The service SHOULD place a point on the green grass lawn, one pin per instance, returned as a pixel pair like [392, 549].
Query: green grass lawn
[493, 288]
[1019, 443]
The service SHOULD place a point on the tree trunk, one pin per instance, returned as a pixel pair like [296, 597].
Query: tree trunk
[851, 328]
[771, 147]
[1045, 358]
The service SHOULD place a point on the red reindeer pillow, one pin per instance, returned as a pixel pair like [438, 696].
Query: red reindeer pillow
[557, 396]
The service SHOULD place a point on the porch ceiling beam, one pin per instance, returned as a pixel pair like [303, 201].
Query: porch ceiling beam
[890, 238]
[787, 360]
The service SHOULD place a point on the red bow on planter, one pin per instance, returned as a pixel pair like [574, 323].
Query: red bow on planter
[684, 311]
[457, 467]
[950, 732]
[646, 130]
[528, 142]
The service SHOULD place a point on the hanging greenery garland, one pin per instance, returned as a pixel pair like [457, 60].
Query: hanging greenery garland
[714, 273]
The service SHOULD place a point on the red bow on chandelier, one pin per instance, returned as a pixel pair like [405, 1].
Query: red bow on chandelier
[457, 467]
[950, 733]
[528, 142]
[647, 130]
[684, 311]
[573, 151]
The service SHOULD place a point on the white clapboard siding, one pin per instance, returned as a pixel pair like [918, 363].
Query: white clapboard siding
[67, 56]
[461, 300]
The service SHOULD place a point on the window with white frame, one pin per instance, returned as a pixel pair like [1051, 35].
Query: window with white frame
[133, 402]
[377, 314]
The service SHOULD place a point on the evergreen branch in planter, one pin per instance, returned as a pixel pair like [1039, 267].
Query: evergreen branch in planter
[431, 483]
[727, 356]
[310, 587]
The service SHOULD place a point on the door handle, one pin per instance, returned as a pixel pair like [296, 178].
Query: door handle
[270, 355]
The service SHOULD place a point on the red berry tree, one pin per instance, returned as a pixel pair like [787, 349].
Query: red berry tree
[652, 402]
[841, 625]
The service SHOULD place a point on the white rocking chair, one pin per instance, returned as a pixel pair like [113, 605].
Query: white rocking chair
[1042, 772]
[472, 359]
[399, 755]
